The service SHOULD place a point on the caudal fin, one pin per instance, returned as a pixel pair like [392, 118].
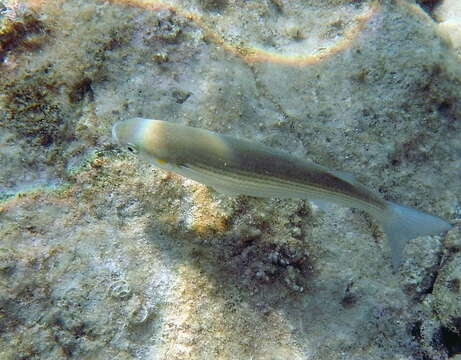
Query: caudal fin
[402, 223]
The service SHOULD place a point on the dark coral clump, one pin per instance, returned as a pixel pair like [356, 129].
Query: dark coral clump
[26, 33]
[36, 106]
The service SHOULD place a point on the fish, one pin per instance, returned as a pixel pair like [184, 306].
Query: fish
[236, 166]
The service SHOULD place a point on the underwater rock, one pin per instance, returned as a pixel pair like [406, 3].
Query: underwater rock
[447, 295]
[448, 13]
[448, 9]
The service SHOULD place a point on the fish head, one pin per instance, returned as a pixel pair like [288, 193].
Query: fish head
[149, 139]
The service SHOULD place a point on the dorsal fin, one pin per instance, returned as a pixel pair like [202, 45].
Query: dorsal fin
[344, 175]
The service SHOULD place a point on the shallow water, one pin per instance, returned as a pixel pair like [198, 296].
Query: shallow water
[103, 256]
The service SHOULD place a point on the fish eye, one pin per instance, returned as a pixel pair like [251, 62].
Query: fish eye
[132, 149]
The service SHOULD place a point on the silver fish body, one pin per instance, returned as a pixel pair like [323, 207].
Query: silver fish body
[236, 166]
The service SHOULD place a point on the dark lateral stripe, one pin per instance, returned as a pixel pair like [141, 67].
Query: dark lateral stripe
[241, 178]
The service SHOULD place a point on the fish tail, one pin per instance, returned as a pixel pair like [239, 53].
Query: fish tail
[401, 223]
